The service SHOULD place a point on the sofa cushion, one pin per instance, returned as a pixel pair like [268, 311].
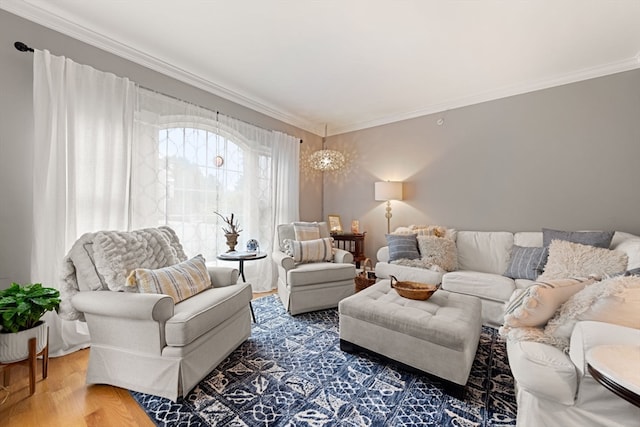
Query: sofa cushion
[599, 239]
[196, 316]
[179, 281]
[535, 305]
[484, 285]
[310, 250]
[630, 245]
[526, 262]
[528, 238]
[568, 259]
[384, 270]
[614, 300]
[402, 246]
[320, 272]
[484, 251]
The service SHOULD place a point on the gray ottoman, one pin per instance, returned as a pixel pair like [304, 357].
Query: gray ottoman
[438, 336]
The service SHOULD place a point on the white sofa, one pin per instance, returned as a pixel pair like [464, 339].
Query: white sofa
[483, 257]
[555, 389]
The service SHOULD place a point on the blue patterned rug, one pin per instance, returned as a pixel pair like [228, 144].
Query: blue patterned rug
[291, 372]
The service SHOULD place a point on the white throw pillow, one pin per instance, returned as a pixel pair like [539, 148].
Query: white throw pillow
[438, 251]
[535, 305]
[567, 259]
[615, 300]
[310, 250]
[306, 230]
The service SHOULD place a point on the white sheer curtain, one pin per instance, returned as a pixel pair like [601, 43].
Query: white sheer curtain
[83, 122]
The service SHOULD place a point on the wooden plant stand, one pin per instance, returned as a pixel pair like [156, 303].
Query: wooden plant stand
[33, 356]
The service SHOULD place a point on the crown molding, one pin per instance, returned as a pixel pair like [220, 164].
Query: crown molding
[57, 23]
[504, 92]
[76, 31]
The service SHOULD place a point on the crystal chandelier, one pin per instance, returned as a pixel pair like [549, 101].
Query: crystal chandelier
[326, 160]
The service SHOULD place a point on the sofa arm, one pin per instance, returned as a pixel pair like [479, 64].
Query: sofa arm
[589, 334]
[223, 276]
[543, 371]
[283, 260]
[341, 256]
[383, 254]
[128, 305]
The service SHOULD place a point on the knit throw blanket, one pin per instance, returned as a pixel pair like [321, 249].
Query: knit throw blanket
[103, 260]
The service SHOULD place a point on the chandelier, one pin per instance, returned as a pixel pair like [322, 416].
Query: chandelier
[326, 160]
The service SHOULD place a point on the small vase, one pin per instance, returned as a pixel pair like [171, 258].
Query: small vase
[232, 241]
[15, 347]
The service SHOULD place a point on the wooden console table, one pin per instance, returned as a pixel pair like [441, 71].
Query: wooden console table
[351, 242]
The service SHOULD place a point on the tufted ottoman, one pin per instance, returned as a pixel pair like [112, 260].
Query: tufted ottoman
[438, 336]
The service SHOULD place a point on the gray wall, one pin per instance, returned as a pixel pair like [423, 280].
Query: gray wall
[16, 130]
[566, 157]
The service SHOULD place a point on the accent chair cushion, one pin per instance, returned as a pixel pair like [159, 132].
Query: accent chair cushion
[402, 246]
[526, 262]
[599, 239]
[306, 230]
[568, 259]
[179, 281]
[310, 250]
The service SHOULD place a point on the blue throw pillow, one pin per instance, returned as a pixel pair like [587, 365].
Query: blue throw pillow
[402, 246]
[599, 239]
[526, 262]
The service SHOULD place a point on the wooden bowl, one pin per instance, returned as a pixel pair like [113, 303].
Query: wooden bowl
[413, 290]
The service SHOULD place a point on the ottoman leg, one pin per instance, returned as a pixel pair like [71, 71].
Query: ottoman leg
[348, 347]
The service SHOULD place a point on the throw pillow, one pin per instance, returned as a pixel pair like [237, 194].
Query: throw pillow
[179, 281]
[402, 246]
[535, 305]
[599, 239]
[568, 259]
[310, 250]
[526, 262]
[306, 230]
[438, 251]
[615, 300]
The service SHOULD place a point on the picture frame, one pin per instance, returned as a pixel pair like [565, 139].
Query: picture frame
[335, 225]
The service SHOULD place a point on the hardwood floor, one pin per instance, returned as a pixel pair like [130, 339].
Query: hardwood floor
[63, 399]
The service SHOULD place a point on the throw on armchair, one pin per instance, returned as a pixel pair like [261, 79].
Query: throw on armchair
[311, 274]
[159, 323]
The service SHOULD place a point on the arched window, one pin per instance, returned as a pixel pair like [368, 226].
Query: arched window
[204, 169]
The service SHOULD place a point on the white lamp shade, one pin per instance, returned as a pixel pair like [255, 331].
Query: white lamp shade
[388, 190]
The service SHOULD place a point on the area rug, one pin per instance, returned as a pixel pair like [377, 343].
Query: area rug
[291, 372]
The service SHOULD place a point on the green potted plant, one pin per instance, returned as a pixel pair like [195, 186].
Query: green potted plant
[21, 307]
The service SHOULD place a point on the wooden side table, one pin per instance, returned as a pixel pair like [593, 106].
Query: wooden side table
[351, 242]
[617, 368]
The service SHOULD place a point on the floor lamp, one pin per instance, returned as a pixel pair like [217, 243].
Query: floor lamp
[385, 191]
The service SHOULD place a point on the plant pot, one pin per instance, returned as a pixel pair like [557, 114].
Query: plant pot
[15, 346]
[232, 241]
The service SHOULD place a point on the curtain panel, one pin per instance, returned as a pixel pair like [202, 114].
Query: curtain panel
[98, 165]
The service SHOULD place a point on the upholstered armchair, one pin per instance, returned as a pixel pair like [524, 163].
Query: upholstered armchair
[311, 275]
[149, 339]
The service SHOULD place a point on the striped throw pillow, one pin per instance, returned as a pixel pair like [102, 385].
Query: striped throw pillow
[526, 262]
[179, 281]
[535, 305]
[310, 250]
[402, 246]
[306, 230]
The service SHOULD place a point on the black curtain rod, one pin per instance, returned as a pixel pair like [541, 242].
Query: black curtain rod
[24, 48]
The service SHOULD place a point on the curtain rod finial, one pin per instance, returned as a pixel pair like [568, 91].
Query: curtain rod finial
[22, 47]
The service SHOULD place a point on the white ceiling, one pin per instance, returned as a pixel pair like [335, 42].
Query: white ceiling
[353, 64]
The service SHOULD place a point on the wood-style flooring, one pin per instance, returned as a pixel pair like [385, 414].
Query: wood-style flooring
[63, 399]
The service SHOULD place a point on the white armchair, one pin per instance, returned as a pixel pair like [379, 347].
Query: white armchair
[145, 341]
[556, 389]
[304, 287]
